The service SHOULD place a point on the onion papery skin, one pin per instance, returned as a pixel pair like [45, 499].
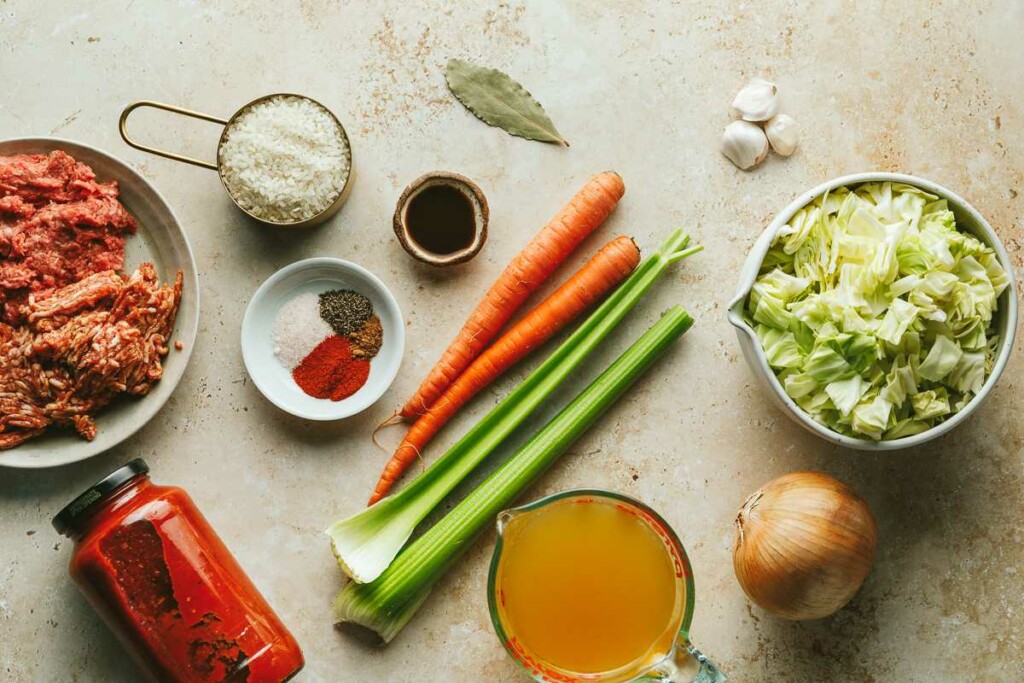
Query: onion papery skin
[805, 543]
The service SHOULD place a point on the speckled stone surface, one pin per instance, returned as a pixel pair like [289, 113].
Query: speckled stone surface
[922, 87]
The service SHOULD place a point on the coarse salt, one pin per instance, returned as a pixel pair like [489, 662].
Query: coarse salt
[298, 329]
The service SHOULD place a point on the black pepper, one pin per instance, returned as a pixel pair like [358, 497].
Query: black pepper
[345, 310]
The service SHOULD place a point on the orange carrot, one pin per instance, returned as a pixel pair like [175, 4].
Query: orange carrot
[524, 273]
[609, 266]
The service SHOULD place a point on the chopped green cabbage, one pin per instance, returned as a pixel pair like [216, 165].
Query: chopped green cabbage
[876, 313]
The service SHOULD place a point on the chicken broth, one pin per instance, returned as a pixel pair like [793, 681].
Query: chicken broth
[588, 586]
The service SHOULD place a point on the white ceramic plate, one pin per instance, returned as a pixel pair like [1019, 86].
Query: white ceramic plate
[160, 240]
[318, 275]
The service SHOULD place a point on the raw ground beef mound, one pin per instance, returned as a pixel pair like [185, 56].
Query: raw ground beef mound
[90, 342]
[75, 332]
[57, 226]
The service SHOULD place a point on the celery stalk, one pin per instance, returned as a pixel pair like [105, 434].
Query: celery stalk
[365, 543]
[387, 604]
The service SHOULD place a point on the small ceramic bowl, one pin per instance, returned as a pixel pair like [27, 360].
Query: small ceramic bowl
[470, 191]
[968, 220]
[318, 275]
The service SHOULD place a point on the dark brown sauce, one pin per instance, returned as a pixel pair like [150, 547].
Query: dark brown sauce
[440, 219]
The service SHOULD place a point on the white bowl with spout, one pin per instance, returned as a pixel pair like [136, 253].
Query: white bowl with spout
[968, 220]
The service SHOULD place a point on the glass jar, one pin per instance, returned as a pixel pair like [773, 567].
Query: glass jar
[154, 568]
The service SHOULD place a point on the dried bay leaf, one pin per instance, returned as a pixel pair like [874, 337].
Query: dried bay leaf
[499, 101]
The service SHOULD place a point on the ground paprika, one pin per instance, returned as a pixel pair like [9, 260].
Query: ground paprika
[350, 377]
[330, 371]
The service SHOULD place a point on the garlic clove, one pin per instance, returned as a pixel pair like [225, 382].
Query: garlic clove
[783, 134]
[744, 144]
[757, 101]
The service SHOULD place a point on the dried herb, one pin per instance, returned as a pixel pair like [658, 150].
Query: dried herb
[499, 101]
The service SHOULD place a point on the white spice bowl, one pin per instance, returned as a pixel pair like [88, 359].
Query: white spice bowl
[968, 220]
[318, 275]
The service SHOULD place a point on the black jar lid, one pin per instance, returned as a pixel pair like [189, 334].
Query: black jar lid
[76, 508]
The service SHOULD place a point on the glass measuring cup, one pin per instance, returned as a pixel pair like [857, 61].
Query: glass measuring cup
[330, 210]
[670, 658]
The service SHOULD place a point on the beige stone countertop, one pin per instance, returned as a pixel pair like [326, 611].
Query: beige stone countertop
[928, 88]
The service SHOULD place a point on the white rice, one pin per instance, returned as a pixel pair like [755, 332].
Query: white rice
[285, 159]
[298, 328]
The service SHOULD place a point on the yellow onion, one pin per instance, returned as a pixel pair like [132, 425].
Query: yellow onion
[804, 545]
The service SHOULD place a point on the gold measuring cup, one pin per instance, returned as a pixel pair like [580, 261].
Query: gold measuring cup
[672, 658]
[316, 219]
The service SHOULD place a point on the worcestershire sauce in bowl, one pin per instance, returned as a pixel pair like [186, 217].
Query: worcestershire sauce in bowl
[441, 219]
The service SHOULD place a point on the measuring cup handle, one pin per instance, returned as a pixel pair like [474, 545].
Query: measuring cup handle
[123, 128]
[686, 664]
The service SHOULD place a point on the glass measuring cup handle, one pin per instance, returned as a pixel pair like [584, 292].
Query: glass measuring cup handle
[686, 664]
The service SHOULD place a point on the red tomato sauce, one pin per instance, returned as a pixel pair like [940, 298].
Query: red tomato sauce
[152, 565]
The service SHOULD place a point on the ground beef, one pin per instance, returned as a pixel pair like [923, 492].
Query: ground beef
[57, 226]
[40, 179]
[74, 332]
[60, 369]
